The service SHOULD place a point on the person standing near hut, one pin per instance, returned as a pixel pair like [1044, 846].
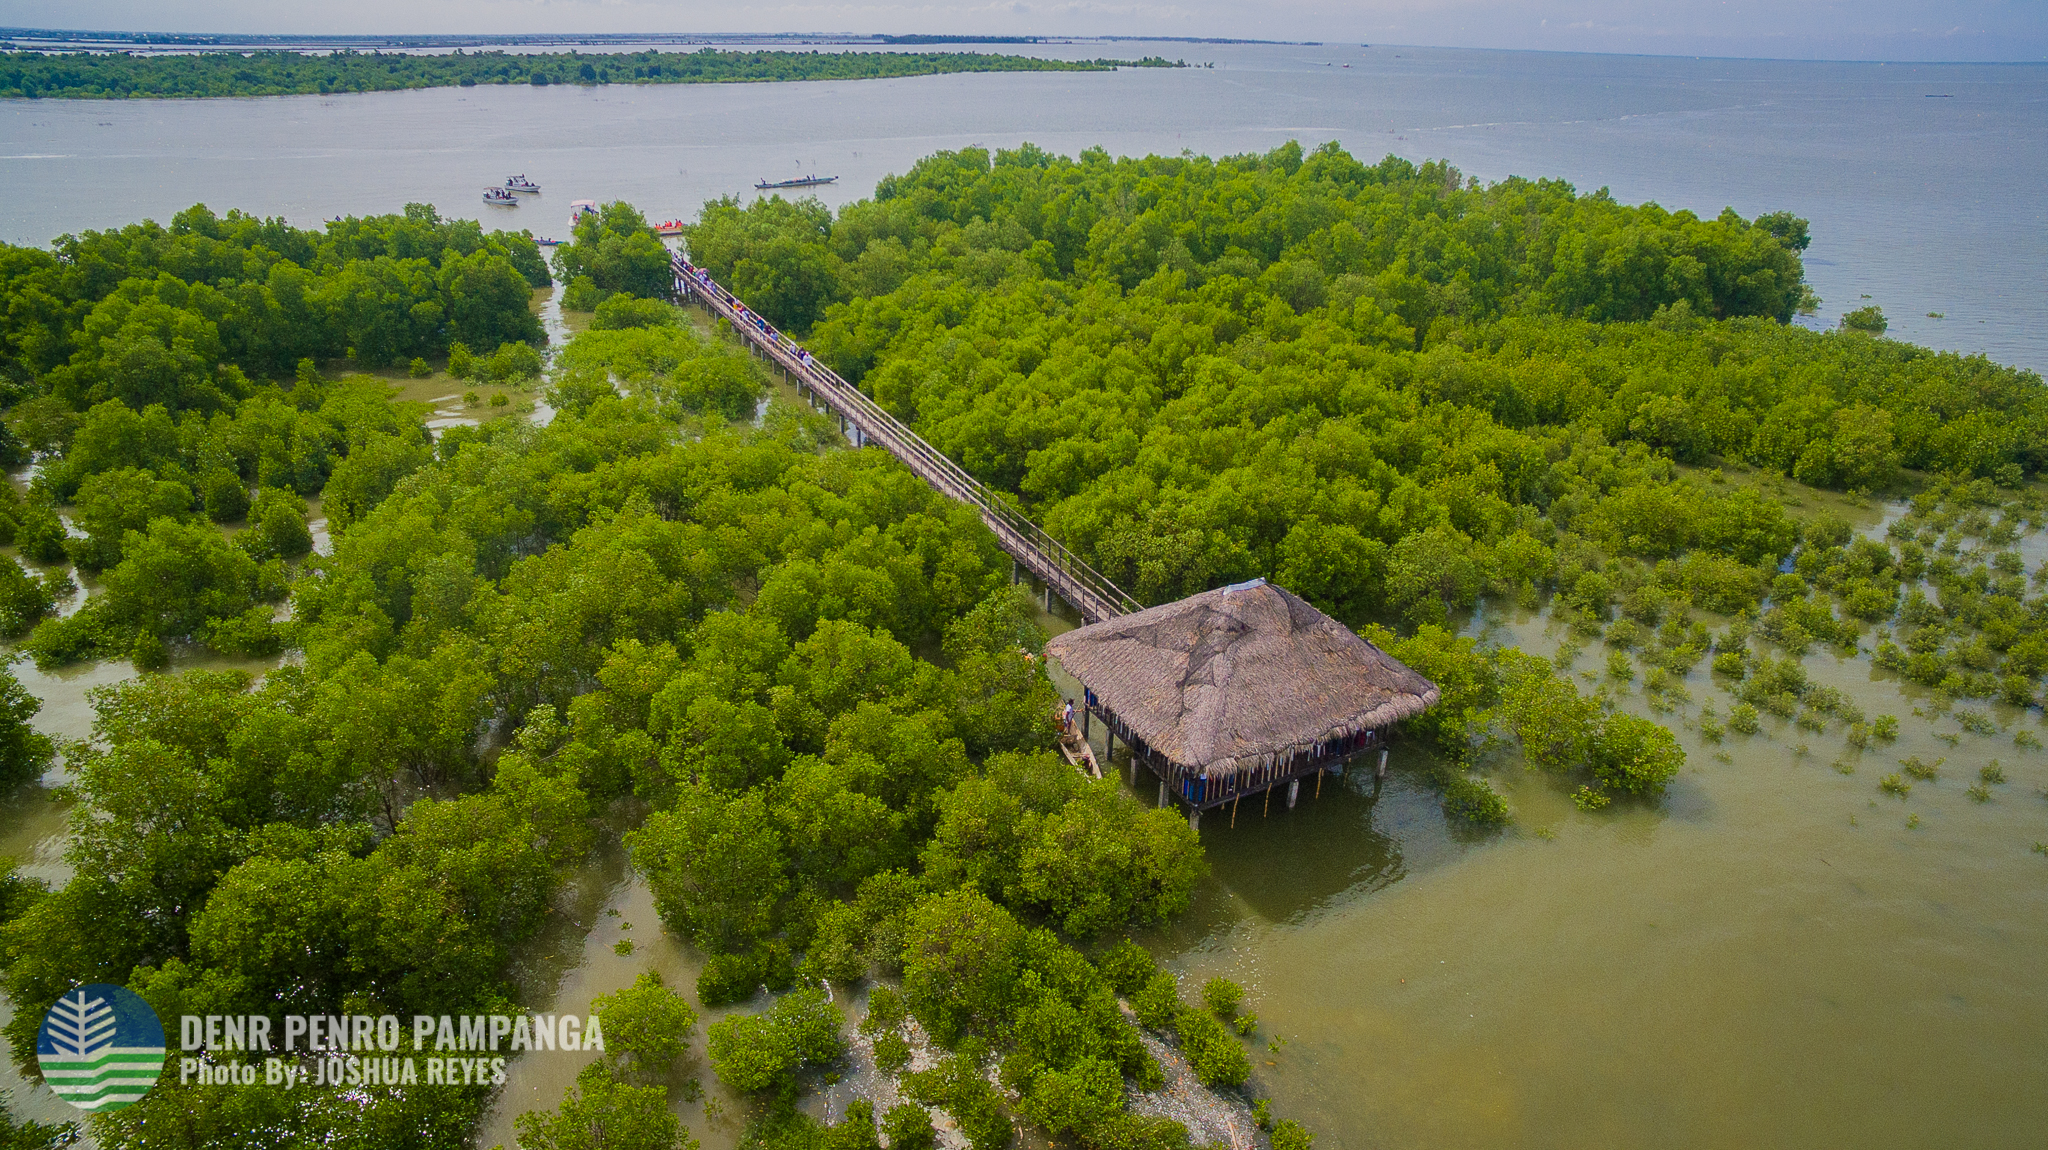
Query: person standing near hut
[1067, 720]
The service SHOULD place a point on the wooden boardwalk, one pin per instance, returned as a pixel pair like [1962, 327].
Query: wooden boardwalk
[1063, 572]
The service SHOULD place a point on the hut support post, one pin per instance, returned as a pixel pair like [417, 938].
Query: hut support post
[1084, 722]
[1194, 818]
[1162, 792]
[1383, 763]
[1293, 791]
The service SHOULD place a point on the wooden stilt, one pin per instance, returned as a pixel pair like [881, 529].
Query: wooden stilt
[1383, 764]
[1319, 784]
[1233, 811]
[1268, 808]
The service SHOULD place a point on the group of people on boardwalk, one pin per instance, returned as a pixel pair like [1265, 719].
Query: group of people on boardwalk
[754, 319]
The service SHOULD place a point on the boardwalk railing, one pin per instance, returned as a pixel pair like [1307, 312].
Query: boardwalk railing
[1094, 596]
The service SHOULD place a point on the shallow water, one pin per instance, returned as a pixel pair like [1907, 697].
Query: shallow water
[1770, 956]
[34, 817]
[1767, 957]
[576, 959]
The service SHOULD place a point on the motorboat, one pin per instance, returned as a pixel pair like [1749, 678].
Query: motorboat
[669, 228]
[580, 208]
[521, 184]
[500, 197]
[545, 242]
[799, 182]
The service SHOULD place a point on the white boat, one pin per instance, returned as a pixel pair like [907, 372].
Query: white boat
[500, 197]
[580, 208]
[520, 184]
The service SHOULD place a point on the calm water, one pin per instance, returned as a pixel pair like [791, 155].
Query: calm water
[1924, 204]
[1771, 957]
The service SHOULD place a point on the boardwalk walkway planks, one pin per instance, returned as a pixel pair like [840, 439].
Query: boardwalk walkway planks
[1095, 597]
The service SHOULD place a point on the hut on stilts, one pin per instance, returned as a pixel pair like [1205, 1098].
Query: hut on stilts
[1238, 691]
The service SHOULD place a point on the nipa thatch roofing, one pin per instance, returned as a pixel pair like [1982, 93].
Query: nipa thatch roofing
[1238, 677]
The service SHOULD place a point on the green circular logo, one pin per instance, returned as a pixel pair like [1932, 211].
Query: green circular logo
[101, 1047]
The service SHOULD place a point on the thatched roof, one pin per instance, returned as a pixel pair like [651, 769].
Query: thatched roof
[1230, 678]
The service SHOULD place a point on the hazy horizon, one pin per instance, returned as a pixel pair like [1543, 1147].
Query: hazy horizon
[1902, 31]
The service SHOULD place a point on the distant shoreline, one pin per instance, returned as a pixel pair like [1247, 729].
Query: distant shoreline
[86, 40]
[224, 73]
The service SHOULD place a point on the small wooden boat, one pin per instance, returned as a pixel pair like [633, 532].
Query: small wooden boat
[799, 182]
[1080, 755]
[1077, 752]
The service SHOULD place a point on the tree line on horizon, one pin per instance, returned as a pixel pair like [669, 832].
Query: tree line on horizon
[122, 75]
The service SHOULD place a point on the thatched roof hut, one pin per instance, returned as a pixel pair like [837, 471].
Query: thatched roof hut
[1246, 680]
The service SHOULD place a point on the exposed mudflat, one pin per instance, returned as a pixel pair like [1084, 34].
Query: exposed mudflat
[1213, 1118]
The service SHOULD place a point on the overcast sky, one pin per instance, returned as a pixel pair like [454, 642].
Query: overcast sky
[1817, 29]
